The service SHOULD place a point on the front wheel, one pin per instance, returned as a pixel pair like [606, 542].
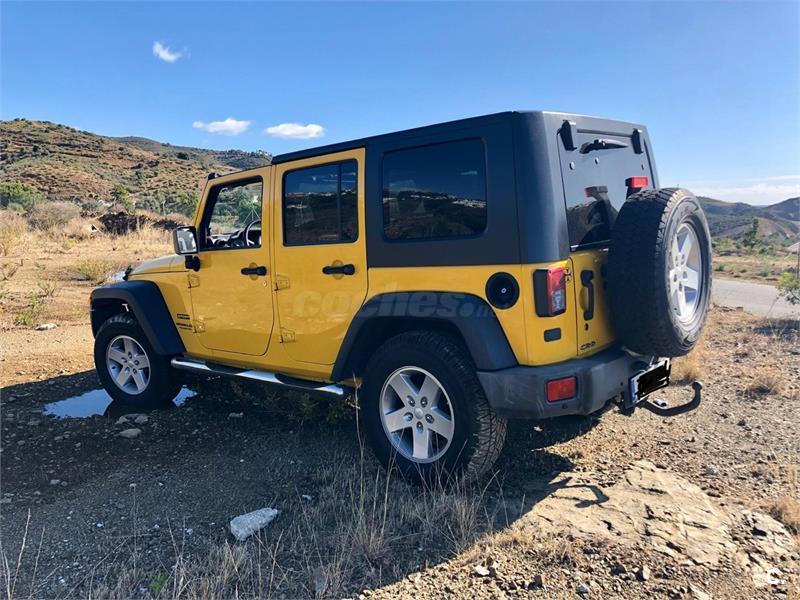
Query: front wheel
[128, 367]
[425, 411]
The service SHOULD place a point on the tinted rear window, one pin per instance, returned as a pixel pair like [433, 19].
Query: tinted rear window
[590, 211]
[436, 191]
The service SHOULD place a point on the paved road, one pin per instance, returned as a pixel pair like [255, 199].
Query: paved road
[756, 298]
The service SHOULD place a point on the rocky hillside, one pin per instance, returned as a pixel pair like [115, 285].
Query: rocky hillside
[68, 164]
[732, 219]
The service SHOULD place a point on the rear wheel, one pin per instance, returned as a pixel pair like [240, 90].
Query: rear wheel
[129, 369]
[659, 269]
[425, 411]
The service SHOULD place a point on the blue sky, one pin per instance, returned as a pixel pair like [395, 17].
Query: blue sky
[716, 83]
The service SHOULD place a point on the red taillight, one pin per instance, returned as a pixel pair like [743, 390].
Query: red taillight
[556, 291]
[637, 182]
[550, 291]
[561, 389]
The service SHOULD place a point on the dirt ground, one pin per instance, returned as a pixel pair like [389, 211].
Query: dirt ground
[603, 506]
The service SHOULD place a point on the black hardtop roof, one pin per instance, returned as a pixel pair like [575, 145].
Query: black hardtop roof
[416, 131]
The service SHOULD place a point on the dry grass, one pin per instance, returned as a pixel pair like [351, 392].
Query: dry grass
[14, 232]
[93, 269]
[78, 229]
[45, 274]
[362, 529]
[786, 509]
[691, 367]
[766, 383]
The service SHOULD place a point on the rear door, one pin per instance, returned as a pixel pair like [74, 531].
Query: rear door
[320, 252]
[599, 171]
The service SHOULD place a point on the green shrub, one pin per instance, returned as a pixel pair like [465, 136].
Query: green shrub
[94, 270]
[789, 287]
[121, 196]
[20, 194]
[30, 314]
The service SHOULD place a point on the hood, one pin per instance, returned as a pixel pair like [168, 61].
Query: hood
[165, 264]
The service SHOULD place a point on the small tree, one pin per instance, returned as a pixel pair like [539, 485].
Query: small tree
[750, 238]
[186, 203]
[121, 196]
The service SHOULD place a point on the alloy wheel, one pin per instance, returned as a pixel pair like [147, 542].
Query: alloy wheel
[685, 273]
[128, 365]
[416, 414]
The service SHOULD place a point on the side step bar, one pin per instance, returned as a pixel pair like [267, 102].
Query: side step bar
[197, 366]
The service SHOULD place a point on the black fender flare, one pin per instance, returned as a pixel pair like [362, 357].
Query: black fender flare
[144, 300]
[469, 315]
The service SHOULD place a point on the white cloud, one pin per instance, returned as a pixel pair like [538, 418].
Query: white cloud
[164, 53]
[295, 131]
[229, 126]
[757, 193]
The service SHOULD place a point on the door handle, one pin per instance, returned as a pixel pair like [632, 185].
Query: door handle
[586, 280]
[260, 271]
[339, 270]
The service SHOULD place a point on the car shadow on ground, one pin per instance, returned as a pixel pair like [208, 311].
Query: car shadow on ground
[291, 451]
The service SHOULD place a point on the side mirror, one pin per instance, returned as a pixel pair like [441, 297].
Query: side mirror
[184, 239]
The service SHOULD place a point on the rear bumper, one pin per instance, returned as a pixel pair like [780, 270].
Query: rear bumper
[520, 392]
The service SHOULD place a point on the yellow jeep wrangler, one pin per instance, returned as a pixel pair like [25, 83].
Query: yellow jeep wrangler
[515, 265]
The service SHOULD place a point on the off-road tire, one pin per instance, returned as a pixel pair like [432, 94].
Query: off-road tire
[638, 272]
[479, 433]
[163, 384]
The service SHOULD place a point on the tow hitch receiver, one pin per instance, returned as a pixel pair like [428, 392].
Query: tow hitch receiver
[649, 380]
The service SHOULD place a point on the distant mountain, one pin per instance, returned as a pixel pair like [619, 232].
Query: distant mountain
[732, 219]
[68, 164]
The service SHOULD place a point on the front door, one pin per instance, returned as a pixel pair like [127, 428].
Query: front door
[231, 293]
[320, 252]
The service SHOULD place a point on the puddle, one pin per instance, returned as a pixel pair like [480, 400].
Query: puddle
[98, 402]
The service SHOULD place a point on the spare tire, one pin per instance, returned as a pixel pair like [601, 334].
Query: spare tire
[659, 272]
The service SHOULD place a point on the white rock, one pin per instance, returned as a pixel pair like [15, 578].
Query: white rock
[46, 327]
[712, 470]
[235, 415]
[55, 481]
[122, 421]
[583, 589]
[243, 526]
[481, 571]
[130, 433]
[306, 497]
[141, 420]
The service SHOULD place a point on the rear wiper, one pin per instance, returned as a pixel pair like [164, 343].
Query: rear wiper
[601, 144]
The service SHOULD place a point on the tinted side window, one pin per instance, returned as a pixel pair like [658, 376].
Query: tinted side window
[320, 204]
[436, 191]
